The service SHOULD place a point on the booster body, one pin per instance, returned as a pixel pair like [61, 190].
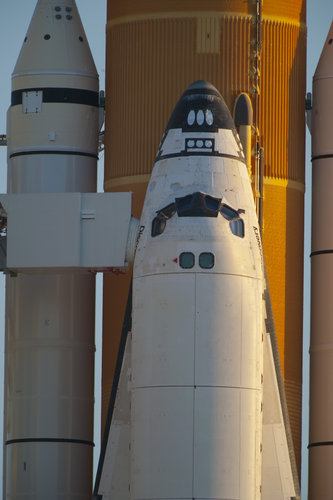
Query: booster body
[49, 375]
[321, 347]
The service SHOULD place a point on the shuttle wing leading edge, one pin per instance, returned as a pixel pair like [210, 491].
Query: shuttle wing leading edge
[279, 471]
[112, 478]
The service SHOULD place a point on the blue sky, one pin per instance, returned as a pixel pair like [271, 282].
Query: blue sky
[15, 16]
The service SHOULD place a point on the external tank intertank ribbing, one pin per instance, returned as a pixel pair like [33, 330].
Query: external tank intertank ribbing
[154, 51]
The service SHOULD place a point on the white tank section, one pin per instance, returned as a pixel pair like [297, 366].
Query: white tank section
[197, 315]
[49, 374]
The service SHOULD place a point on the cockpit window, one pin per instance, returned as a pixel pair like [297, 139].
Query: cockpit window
[158, 226]
[235, 222]
[159, 222]
[198, 205]
[237, 227]
[213, 203]
[184, 204]
[192, 205]
[168, 211]
[228, 212]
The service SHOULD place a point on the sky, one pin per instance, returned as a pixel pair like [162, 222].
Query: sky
[15, 16]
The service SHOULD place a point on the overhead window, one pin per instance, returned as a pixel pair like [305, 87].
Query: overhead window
[191, 117]
[209, 117]
[200, 117]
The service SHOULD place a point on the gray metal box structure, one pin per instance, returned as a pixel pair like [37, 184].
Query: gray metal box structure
[66, 232]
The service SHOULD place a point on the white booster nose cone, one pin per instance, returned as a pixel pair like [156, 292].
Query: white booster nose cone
[55, 43]
[54, 115]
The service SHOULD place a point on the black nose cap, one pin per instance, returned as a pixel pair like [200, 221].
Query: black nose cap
[201, 109]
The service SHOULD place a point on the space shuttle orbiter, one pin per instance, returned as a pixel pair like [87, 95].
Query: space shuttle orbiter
[196, 410]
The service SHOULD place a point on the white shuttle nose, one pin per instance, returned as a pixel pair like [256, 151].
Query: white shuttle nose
[201, 124]
[201, 109]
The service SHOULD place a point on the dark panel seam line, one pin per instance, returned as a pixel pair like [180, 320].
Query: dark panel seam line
[321, 157]
[320, 252]
[194, 387]
[50, 440]
[322, 443]
[48, 152]
[199, 153]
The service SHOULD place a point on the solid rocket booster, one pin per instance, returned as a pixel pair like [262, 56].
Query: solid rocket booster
[49, 374]
[321, 346]
[197, 315]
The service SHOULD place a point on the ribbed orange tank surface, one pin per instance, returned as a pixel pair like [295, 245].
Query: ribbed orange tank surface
[155, 49]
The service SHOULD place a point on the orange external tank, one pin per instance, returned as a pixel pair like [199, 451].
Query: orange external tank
[154, 51]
